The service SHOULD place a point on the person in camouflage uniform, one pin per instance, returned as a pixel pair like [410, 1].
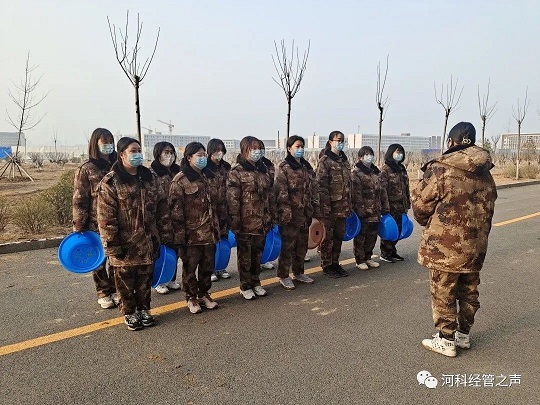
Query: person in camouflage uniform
[193, 200]
[132, 216]
[296, 196]
[369, 202]
[272, 173]
[249, 194]
[333, 176]
[85, 195]
[455, 201]
[216, 150]
[395, 181]
[164, 168]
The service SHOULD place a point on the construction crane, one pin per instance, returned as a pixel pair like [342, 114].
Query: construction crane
[169, 124]
[150, 131]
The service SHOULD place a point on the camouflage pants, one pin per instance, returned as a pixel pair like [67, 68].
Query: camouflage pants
[133, 283]
[448, 291]
[197, 267]
[104, 280]
[249, 252]
[388, 248]
[294, 246]
[365, 241]
[330, 247]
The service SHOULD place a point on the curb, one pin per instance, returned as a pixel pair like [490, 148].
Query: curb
[23, 246]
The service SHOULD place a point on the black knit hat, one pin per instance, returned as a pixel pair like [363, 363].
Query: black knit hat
[124, 142]
[463, 133]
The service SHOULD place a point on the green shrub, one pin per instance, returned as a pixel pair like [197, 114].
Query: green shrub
[33, 215]
[60, 198]
[527, 170]
[4, 213]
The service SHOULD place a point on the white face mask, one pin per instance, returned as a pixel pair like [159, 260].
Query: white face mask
[166, 159]
[218, 156]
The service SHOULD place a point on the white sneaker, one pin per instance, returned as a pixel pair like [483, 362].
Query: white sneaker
[174, 285]
[106, 302]
[214, 277]
[440, 345]
[208, 302]
[116, 298]
[307, 259]
[372, 263]
[259, 291]
[193, 306]
[162, 289]
[362, 266]
[267, 265]
[225, 274]
[462, 340]
[248, 294]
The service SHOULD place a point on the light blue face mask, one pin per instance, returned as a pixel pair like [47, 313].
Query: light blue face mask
[255, 155]
[201, 162]
[368, 159]
[298, 153]
[106, 148]
[398, 157]
[340, 146]
[135, 159]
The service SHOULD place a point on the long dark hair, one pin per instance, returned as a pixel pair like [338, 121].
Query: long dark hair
[93, 148]
[160, 147]
[214, 145]
[331, 137]
[190, 150]
[365, 150]
[247, 143]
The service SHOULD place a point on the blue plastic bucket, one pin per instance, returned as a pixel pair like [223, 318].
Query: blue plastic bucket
[388, 229]
[81, 252]
[164, 267]
[352, 226]
[232, 239]
[276, 245]
[223, 255]
[268, 247]
[407, 227]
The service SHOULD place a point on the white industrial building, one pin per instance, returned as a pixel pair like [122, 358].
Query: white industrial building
[356, 141]
[10, 138]
[509, 141]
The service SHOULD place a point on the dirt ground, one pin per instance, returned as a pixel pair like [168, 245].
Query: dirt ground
[14, 191]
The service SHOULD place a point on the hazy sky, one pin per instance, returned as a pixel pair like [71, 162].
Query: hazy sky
[212, 73]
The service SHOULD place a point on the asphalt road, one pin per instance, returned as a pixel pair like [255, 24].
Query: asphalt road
[354, 340]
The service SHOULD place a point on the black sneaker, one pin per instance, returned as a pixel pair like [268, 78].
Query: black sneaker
[146, 319]
[398, 258]
[342, 272]
[133, 322]
[388, 259]
[331, 272]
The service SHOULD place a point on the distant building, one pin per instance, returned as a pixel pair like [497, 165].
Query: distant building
[509, 141]
[10, 138]
[408, 142]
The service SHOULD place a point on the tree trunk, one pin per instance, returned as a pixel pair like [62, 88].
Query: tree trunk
[138, 109]
[518, 150]
[444, 133]
[483, 132]
[289, 102]
[380, 137]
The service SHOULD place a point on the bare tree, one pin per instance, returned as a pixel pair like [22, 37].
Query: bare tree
[129, 60]
[290, 71]
[55, 139]
[448, 101]
[382, 103]
[24, 98]
[495, 140]
[486, 111]
[519, 115]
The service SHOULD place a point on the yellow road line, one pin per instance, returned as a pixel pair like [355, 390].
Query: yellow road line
[511, 221]
[83, 330]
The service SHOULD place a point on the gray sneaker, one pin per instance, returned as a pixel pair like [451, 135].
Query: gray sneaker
[287, 283]
[302, 278]
[462, 340]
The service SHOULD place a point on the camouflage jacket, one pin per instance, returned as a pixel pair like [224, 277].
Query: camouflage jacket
[85, 193]
[193, 200]
[369, 195]
[271, 168]
[455, 201]
[164, 176]
[333, 177]
[221, 171]
[295, 190]
[133, 218]
[395, 180]
[249, 198]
